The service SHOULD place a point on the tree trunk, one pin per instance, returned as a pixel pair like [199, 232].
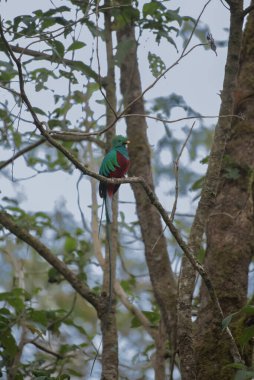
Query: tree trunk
[230, 230]
[209, 190]
[108, 319]
[161, 275]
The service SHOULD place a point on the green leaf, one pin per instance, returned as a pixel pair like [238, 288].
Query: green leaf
[197, 185]
[53, 11]
[39, 111]
[201, 255]
[38, 316]
[85, 69]
[69, 75]
[76, 45]
[47, 22]
[17, 139]
[9, 344]
[236, 366]
[5, 311]
[244, 375]
[54, 277]
[246, 336]
[248, 309]
[135, 322]
[150, 8]
[63, 377]
[15, 298]
[226, 321]
[152, 316]
[57, 47]
[127, 285]
[156, 65]
[204, 160]
[79, 97]
[91, 88]
[70, 244]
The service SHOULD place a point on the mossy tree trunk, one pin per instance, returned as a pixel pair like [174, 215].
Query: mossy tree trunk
[230, 229]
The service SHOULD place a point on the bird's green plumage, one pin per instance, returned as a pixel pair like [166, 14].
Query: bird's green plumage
[109, 163]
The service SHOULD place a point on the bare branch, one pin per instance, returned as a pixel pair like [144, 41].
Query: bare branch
[79, 136]
[10, 90]
[62, 136]
[21, 153]
[80, 286]
[53, 58]
[248, 10]
[224, 5]
[45, 349]
[166, 121]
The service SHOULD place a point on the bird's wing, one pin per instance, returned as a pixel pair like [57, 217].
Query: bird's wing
[109, 163]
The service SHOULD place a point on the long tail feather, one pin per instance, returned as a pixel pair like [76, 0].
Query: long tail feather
[109, 212]
[103, 203]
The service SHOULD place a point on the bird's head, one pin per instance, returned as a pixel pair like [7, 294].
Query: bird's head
[119, 140]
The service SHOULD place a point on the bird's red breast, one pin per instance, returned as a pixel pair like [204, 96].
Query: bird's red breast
[119, 172]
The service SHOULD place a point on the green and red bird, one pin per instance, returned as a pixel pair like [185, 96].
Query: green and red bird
[114, 165]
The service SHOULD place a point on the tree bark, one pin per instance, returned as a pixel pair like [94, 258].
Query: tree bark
[108, 319]
[188, 275]
[230, 229]
[161, 275]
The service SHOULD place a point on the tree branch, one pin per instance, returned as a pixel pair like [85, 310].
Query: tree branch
[247, 10]
[75, 65]
[21, 153]
[81, 287]
[45, 349]
[57, 136]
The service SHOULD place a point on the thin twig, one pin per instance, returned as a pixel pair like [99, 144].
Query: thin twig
[10, 90]
[82, 135]
[194, 28]
[166, 121]
[176, 168]
[45, 349]
[224, 5]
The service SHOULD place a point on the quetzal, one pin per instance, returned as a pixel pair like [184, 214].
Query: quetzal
[114, 165]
